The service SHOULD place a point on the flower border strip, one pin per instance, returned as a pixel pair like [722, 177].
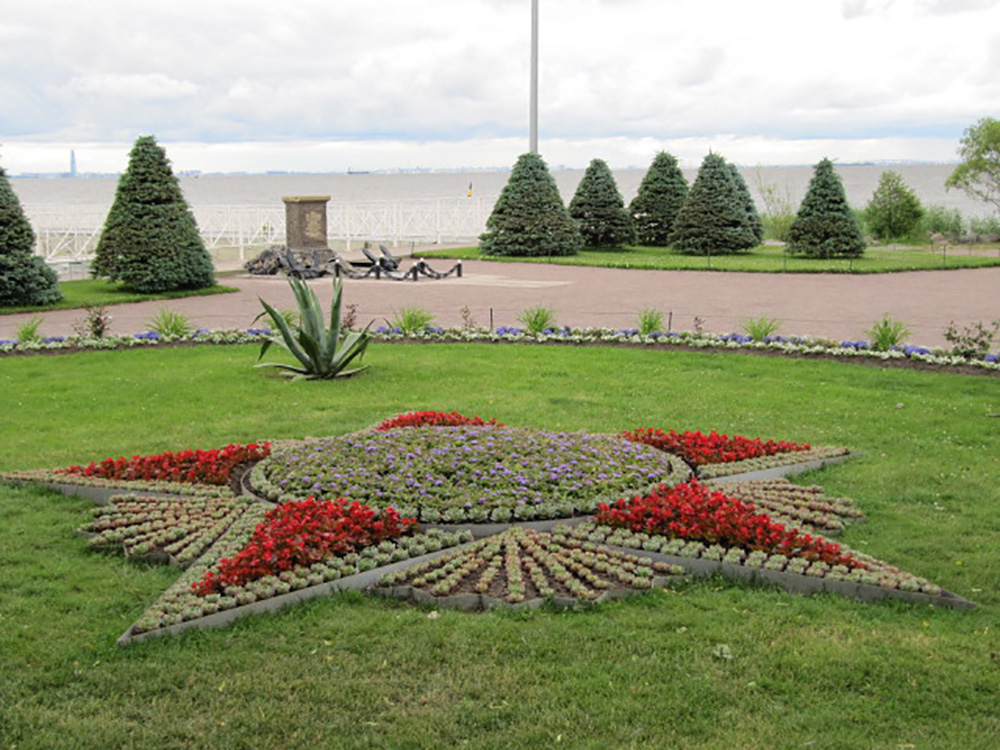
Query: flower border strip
[357, 581]
[484, 603]
[99, 490]
[797, 345]
[789, 464]
[800, 584]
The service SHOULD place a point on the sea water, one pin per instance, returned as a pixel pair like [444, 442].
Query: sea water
[787, 183]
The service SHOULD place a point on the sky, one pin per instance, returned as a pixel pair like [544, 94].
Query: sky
[332, 85]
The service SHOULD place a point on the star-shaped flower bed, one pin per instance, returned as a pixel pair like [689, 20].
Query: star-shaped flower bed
[436, 508]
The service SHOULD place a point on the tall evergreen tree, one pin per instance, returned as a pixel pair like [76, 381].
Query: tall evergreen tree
[529, 218]
[713, 219]
[894, 210]
[599, 209]
[661, 195]
[150, 241]
[25, 278]
[825, 226]
[754, 222]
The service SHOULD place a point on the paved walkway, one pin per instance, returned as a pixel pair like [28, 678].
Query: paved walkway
[834, 306]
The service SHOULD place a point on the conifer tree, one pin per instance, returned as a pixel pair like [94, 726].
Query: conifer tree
[529, 218]
[713, 219]
[25, 278]
[825, 226]
[599, 209]
[894, 210]
[750, 208]
[661, 195]
[150, 241]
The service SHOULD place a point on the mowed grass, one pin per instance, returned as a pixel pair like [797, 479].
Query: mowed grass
[762, 259]
[101, 292]
[354, 672]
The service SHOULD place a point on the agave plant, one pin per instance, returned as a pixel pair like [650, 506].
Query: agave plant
[321, 351]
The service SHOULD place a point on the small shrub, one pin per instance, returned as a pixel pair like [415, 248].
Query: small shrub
[941, 220]
[349, 320]
[291, 317]
[537, 319]
[170, 324]
[984, 225]
[887, 333]
[468, 321]
[27, 332]
[650, 321]
[411, 320]
[95, 324]
[779, 208]
[894, 211]
[973, 341]
[760, 328]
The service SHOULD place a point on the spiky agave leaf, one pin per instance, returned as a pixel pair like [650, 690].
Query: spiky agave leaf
[319, 350]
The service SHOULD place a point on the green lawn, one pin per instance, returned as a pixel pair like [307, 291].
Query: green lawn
[763, 259]
[101, 292]
[353, 672]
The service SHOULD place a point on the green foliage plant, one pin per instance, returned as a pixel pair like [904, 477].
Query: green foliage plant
[887, 333]
[947, 222]
[529, 218]
[894, 211]
[95, 324]
[150, 241]
[754, 222]
[411, 320]
[713, 219]
[660, 196]
[825, 226]
[323, 353]
[760, 328]
[170, 323]
[27, 332]
[779, 208]
[25, 278]
[978, 174]
[983, 226]
[599, 210]
[973, 341]
[650, 321]
[537, 319]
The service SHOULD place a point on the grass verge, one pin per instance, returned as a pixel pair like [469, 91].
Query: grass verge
[763, 259]
[350, 671]
[101, 293]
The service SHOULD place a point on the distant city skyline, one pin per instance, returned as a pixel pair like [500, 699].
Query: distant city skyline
[386, 84]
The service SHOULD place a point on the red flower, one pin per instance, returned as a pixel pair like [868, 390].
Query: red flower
[199, 467]
[433, 419]
[693, 512]
[302, 533]
[699, 449]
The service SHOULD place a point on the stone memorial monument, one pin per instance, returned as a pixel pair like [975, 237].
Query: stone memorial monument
[305, 222]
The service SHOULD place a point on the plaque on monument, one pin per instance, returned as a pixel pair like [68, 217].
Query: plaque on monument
[305, 222]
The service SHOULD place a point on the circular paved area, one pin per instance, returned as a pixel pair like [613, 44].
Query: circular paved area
[834, 306]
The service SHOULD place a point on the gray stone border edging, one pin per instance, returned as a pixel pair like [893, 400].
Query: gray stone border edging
[358, 581]
[803, 584]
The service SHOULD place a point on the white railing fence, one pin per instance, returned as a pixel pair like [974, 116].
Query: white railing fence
[69, 234]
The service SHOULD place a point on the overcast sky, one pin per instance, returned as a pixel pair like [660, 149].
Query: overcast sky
[326, 85]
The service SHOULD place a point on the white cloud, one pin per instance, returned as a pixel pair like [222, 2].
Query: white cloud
[135, 87]
[414, 71]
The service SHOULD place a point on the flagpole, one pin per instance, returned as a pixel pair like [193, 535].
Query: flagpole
[533, 108]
